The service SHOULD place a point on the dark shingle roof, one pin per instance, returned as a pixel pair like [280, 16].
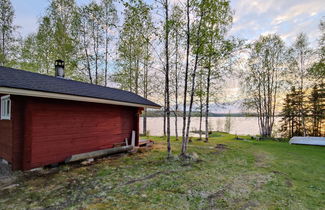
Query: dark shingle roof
[14, 78]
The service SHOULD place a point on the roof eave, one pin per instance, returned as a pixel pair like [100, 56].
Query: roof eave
[42, 94]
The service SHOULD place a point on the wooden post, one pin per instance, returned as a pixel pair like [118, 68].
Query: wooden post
[137, 125]
[98, 153]
[133, 138]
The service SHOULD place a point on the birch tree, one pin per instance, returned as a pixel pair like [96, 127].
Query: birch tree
[7, 29]
[200, 93]
[167, 29]
[36, 50]
[317, 70]
[211, 18]
[188, 37]
[134, 51]
[109, 20]
[92, 35]
[176, 33]
[216, 48]
[29, 54]
[263, 79]
[131, 45]
[56, 38]
[147, 62]
[197, 46]
[44, 43]
[63, 16]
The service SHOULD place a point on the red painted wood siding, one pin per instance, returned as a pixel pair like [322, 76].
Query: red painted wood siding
[6, 139]
[17, 117]
[57, 129]
[12, 133]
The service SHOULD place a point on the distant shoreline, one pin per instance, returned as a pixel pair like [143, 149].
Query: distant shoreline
[197, 114]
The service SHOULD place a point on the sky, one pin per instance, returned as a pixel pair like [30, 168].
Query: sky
[284, 17]
[252, 17]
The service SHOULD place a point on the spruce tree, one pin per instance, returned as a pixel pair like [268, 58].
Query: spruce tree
[316, 114]
[291, 124]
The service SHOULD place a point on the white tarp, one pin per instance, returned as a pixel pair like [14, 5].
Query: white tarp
[308, 140]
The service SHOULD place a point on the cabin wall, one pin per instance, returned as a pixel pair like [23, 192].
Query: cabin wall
[12, 133]
[18, 118]
[57, 129]
[6, 139]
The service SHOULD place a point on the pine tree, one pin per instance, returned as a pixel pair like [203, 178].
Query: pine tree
[296, 104]
[300, 57]
[286, 120]
[315, 111]
[321, 93]
[291, 121]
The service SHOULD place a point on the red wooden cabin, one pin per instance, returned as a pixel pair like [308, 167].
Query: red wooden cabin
[45, 120]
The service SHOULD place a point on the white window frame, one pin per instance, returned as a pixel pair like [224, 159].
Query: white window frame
[5, 108]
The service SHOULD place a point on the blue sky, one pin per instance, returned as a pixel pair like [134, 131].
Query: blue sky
[252, 17]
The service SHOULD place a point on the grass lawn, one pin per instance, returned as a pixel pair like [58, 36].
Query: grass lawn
[227, 174]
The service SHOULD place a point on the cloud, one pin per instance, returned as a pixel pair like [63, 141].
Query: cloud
[279, 19]
[310, 8]
[287, 18]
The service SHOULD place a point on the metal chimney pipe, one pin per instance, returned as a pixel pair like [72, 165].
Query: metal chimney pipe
[59, 68]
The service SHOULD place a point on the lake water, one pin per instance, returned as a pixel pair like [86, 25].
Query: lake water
[239, 125]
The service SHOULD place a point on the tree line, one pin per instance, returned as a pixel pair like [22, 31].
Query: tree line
[309, 121]
[272, 70]
[178, 54]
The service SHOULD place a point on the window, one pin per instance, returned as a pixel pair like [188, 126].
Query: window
[5, 107]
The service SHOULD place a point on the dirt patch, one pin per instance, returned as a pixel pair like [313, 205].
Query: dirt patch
[288, 183]
[148, 177]
[41, 173]
[217, 199]
[249, 204]
[159, 147]
[262, 159]
[220, 148]
[237, 194]
[217, 195]
[279, 172]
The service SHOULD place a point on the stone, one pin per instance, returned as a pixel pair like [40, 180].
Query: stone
[87, 162]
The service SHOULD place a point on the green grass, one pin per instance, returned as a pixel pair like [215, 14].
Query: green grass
[245, 174]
